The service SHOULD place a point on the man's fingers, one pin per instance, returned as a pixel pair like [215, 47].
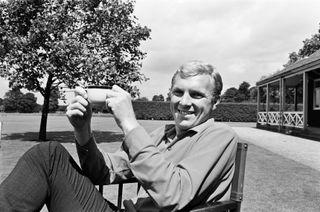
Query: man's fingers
[116, 91]
[80, 100]
[111, 93]
[71, 113]
[117, 88]
[79, 91]
[77, 106]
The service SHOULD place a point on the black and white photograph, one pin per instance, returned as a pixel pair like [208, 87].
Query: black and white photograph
[159, 105]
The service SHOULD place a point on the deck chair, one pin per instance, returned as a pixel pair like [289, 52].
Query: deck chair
[232, 205]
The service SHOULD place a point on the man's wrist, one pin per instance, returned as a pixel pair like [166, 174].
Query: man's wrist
[83, 135]
[128, 126]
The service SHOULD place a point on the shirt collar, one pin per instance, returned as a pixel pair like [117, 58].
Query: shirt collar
[203, 125]
[170, 130]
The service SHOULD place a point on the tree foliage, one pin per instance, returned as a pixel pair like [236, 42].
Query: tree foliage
[243, 91]
[48, 43]
[28, 103]
[158, 98]
[142, 99]
[310, 45]
[243, 94]
[230, 95]
[15, 101]
[10, 100]
[253, 94]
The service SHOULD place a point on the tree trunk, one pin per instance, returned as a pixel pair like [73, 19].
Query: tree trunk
[45, 110]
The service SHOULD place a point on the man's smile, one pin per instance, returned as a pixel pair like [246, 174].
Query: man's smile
[185, 112]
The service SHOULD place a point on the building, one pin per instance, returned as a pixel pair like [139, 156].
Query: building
[289, 100]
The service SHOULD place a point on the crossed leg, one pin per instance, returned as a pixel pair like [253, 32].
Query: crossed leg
[47, 174]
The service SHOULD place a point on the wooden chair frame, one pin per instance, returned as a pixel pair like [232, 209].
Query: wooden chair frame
[232, 205]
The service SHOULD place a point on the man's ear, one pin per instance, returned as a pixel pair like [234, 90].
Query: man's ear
[215, 103]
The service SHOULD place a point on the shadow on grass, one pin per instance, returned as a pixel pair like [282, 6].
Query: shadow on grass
[65, 136]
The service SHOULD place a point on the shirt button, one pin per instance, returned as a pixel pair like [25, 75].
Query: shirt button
[169, 148]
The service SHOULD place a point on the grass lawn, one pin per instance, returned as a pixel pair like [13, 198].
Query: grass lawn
[275, 183]
[272, 182]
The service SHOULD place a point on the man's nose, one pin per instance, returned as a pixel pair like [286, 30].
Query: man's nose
[185, 100]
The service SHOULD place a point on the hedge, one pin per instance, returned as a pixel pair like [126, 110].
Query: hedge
[149, 110]
[152, 110]
[234, 112]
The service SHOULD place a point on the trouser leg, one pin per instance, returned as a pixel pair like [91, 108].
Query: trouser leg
[47, 174]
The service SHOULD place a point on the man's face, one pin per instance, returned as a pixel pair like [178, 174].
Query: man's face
[191, 101]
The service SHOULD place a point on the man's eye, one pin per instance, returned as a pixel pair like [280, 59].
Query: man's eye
[177, 92]
[197, 95]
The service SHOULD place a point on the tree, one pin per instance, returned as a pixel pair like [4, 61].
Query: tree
[230, 95]
[158, 98]
[11, 100]
[54, 100]
[27, 103]
[45, 44]
[293, 57]
[253, 94]
[243, 92]
[16, 101]
[310, 45]
[142, 99]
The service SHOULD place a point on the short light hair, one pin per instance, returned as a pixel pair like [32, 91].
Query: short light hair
[194, 68]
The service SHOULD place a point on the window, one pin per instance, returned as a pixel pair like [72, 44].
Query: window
[316, 95]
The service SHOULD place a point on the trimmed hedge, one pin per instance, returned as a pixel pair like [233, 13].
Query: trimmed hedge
[149, 110]
[234, 112]
[152, 110]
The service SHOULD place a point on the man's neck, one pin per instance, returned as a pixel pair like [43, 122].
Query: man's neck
[180, 132]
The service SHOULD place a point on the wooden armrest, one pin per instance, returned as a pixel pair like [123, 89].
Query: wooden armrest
[217, 206]
[131, 180]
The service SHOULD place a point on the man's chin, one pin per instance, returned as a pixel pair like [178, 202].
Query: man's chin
[184, 126]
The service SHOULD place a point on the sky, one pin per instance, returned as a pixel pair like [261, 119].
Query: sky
[243, 39]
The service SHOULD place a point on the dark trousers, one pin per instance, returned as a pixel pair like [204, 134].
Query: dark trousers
[47, 174]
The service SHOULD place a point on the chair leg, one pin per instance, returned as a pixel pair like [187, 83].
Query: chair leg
[101, 189]
[120, 188]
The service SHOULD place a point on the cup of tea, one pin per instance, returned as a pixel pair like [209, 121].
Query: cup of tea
[97, 94]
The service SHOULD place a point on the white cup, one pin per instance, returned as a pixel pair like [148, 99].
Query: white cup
[97, 94]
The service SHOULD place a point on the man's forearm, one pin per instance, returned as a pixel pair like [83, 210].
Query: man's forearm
[83, 135]
[92, 162]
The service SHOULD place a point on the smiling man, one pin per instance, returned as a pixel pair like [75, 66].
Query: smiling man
[178, 166]
[195, 92]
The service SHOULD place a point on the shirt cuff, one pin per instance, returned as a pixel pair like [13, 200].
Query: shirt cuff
[136, 140]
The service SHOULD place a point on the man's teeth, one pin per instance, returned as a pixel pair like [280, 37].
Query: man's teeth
[185, 112]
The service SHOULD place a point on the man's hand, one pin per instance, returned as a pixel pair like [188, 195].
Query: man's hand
[79, 113]
[119, 101]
